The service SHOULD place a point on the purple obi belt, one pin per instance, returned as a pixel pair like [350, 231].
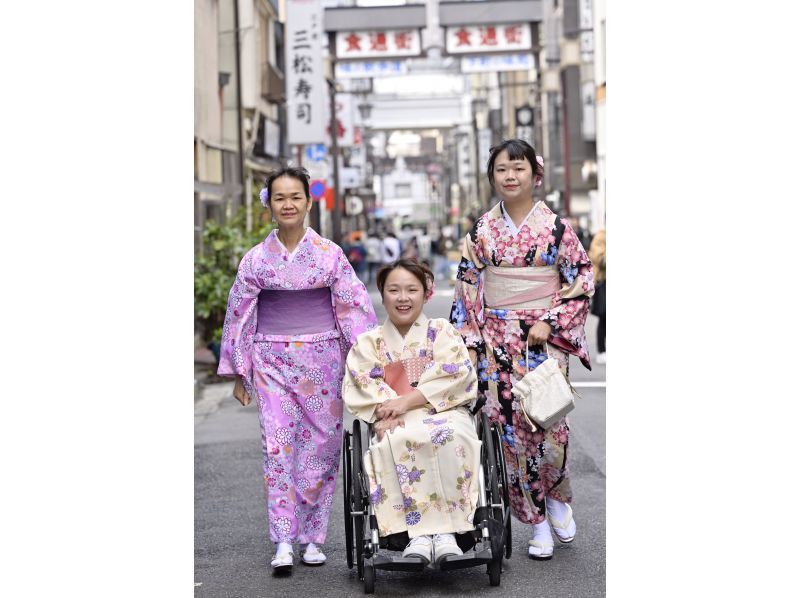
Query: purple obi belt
[293, 313]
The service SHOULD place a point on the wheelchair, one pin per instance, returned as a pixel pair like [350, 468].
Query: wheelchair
[486, 544]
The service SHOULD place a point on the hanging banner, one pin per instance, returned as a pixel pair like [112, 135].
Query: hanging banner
[306, 90]
[473, 39]
[492, 63]
[344, 121]
[377, 44]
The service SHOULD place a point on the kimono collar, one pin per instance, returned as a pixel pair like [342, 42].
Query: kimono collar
[417, 333]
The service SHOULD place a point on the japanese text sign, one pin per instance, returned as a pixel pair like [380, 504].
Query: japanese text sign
[377, 44]
[306, 89]
[469, 39]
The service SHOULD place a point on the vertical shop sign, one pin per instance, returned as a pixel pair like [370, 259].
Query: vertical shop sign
[305, 82]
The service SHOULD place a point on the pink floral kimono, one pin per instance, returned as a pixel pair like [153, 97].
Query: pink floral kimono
[509, 278]
[291, 319]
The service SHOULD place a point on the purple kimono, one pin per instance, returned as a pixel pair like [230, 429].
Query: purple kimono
[291, 319]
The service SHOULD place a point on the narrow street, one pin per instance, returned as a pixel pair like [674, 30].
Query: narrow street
[232, 548]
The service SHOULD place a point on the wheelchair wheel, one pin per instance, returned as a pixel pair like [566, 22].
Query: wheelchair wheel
[357, 492]
[492, 473]
[347, 488]
[500, 459]
[369, 579]
[493, 569]
[491, 444]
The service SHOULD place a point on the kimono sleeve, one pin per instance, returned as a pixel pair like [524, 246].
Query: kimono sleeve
[451, 381]
[467, 311]
[351, 302]
[363, 385]
[576, 273]
[236, 348]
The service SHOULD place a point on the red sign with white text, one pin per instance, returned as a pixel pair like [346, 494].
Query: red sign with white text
[477, 39]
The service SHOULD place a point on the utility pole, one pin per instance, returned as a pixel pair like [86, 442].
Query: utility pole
[337, 204]
[246, 193]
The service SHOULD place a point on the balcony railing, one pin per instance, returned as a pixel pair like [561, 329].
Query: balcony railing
[272, 86]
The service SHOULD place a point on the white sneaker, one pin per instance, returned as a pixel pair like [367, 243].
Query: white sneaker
[284, 558]
[445, 545]
[420, 546]
[559, 514]
[312, 555]
[601, 359]
[540, 547]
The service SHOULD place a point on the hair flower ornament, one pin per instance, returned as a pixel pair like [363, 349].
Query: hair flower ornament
[539, 171]
[264, 195]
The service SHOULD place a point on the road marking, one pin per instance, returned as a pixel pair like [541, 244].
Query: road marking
[597, 384]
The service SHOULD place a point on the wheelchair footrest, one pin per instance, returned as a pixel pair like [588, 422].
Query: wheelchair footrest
[468, 559]
[398, 563]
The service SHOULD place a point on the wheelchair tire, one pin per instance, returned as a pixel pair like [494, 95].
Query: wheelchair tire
[347, 489]
[492, 484]
[503, 482]
[358, 497]
[494, 569]
[369, 579]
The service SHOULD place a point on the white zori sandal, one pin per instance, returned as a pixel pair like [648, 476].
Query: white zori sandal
[284, 558]
[559, 514]
[540, 546]
[312, 555]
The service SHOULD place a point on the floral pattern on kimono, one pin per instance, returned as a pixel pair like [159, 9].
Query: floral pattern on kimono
[296, 379]
[421, 476]
[536, 459]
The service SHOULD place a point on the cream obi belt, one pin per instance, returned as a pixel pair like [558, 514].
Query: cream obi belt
[531, 287]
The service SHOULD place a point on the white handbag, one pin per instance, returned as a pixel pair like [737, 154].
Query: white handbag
[544, 394]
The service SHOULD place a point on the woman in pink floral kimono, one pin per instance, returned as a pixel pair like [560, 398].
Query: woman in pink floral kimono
[525, 281]
[293, 313]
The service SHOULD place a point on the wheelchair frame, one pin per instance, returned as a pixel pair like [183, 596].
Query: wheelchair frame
[486, 544]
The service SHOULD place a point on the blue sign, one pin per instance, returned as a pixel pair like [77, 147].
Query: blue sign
[317, 189]
[316, 152]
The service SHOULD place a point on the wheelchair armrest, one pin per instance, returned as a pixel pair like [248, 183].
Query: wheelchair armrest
[479, 403]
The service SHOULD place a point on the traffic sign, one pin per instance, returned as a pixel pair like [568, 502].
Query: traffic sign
[316, 152]
[317, 189]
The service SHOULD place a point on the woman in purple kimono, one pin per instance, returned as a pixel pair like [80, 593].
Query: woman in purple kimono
[522, 293]
[294, 311]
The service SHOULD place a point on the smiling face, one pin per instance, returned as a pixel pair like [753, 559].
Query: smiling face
[513, 179]
[403, 296]
[288, 202]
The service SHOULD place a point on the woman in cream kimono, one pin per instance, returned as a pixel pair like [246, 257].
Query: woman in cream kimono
[423, 468]
[522, 294]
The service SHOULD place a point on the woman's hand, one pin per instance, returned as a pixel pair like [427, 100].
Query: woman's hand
[539, 333]
[401, 405]
[387, 425]
[240, 393]
[473, 356]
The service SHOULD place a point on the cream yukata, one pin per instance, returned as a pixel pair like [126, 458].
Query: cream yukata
[422, 477]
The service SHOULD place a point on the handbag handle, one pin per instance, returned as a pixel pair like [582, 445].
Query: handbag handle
[527, 369]
[527, 349]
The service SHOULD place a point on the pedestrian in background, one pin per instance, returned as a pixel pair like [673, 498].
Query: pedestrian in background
[390, 248]
[597, 253]
[357, 254]
[522, 295]
[373, 246]
[441, 264]
[294, 311]
[411, 251]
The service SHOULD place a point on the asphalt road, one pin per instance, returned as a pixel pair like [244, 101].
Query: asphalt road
[232, 547]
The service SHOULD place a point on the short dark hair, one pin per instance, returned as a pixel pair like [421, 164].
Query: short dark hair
[295, 172]
[517, 150]
[422, 272]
